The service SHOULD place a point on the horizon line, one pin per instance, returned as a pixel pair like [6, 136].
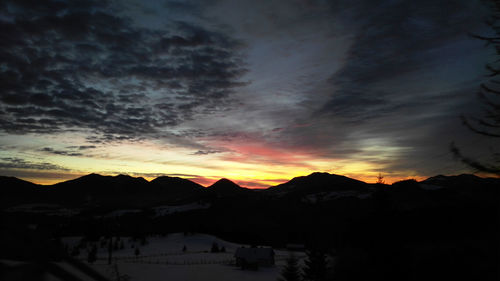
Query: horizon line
[205, 185]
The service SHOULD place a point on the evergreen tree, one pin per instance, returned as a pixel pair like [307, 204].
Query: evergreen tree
[380, 179]
[137, 252]
[184, 249]
[110, 250]
[487, 125]
[315, 266]
[291, 270]
[215, 248]
[116, 274]
[122, 245]
[92, 255]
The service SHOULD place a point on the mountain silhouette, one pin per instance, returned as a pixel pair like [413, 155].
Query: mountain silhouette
[126, 191]
[225, 187]
[103, 183]
[319, 182]
[14, 190]
[96, 189]
[21, 185]
[459, 180]
[177, 188]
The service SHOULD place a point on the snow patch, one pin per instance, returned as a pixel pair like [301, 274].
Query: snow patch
[324, 196]
[167, 209]
[119, 213]
[45, 209]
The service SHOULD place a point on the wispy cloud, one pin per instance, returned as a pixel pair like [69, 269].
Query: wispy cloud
[18, 163]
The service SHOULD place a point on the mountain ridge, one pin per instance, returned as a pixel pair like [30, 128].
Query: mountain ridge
[314, 176]
[226, 187]
[127, 191]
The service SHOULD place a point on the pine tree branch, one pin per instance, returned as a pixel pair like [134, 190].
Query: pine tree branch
[489, 90]
[473, 163]
[493, 71]
[488, 124]
[481, 132]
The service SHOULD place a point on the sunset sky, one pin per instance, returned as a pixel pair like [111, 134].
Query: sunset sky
[254, 91]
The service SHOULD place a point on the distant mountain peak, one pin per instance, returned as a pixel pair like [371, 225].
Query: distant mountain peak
[445, 178]
[85, 178]
[225, 186]
[92, 175]
[319, 174]
[224, 182]
[167, 181]
[320, 181]
[98, 177]
[123, 176]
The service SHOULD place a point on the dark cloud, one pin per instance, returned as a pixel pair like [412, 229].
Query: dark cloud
[83, 147]
[394, 39]
[18, 163]
[48, 176]
[205, 152]
[61, 152]
[79, 65]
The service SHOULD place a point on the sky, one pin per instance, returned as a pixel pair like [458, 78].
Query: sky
[255, 91]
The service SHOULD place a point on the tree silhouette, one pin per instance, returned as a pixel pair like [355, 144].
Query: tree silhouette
[116, 274]
[489, 93]
[291, 270]
[92, 255]
[215, 248]
[380, 179]
[315, 266]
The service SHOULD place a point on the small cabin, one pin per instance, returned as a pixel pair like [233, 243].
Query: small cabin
[254, 257]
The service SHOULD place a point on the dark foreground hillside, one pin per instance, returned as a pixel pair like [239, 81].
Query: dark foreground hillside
[440, 228]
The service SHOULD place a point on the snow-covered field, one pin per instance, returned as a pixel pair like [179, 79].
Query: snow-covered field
[167, 209]
[45, 209]
[58, 210]
[163, 258]
[324, 196]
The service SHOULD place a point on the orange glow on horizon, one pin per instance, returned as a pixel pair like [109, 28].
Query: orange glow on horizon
[253, 183]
